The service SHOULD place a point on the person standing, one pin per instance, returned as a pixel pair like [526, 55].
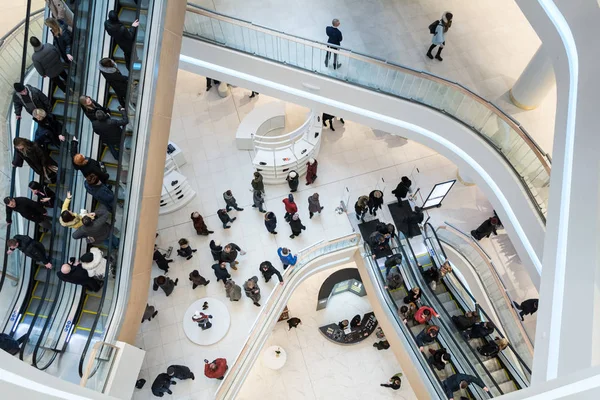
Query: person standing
[268, 270]
[427, 336]
[230, 201]
[293, 181]
[528, 307]
[258, 198]
[28, 209]
[123, 37]
[424, 314]
[466, 321]
[230, 253]
[225, 218]
[87, 165]
[117, 81]
[49, 129]
[252, 290]
[402, 189]
[439, 35]
[456, 382]
[413, 296]
[74, 273]
[94, 262]
[395, 382]
[361, 207]
[197, 279]
[216, 249]
[46, 196]
[271, 222]
[334, 36]
[47, 62]
[63, 38]
[60, 10]
[221, 272]
[110, 130]
[257, 183]
[290, 207]
[314, 205]
[296, 226]
[38, 160]
[31, 248]
[311, 171]
[286, 257]
[90, 106]
[375, 202]
[439, 358]
[99, 191]
[166, 284]
[96, 229]
[480, 330]
[233, 291]
[199, 225]
[30, 98]
[161, 261]
[486, 229]
[215, 369]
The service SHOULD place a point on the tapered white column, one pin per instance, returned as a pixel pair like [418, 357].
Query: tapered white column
[535, 82]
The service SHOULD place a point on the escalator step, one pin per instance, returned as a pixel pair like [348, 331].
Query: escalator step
[508, 387]
[500, 376]
[86, 320]
[91, 304]
[445, 297]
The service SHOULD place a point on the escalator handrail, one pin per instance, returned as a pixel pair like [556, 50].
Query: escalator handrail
[443, 310]
[468, 292]
[495, 274]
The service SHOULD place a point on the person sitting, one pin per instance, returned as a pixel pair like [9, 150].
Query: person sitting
[356, 321]
[46, 196]
[491, 349]
[402, 189]
[439, 358]
[424, 314]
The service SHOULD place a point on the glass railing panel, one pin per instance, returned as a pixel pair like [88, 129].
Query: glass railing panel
[484, 118]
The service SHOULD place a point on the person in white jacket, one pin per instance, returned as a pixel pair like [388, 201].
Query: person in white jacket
[94, 263]
[439, 37]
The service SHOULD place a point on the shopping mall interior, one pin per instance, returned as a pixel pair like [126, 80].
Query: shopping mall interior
[357, 198]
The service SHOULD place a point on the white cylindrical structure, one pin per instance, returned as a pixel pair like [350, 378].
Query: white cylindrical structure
[534, 83]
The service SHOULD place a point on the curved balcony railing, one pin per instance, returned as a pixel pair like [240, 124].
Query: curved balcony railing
[504, 134]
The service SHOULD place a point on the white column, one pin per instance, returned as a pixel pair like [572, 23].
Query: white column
[534, 83]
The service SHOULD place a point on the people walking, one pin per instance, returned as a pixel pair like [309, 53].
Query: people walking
[197, 279]
[99, 191]
[87, 165]
[395, 382]
[29, 98]
[149, 313]
[230, 254]
[375, 201]
[230, 201]
[123, 37]
[361, 207]
[216, 249]
[296, 226]
[402, 189]
[30, 248]
[488, 227]
[38, 160]
[96, 229]
[268, 270]
[199, 225]
[28, 209]
[334, 36]
[314, 205]
[290, 207]
[225, 218]
[185, 250]
[293, 180]
[311, 171]
[110, 130]
[233, 291]
[528, 307]
[221, 272]
[117, 81]
[161, 261]
[286, 257]
[258, 198]
[439, 31]
[257, 182]
[47, 62]
[271, 222]
[252, 290]
[166, 284]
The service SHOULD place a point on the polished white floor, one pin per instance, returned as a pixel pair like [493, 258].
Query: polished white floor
[487, 48]
[353, 161]
[317, 368]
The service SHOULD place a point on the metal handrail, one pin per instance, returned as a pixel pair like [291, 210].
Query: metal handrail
[540, 154]
[496, 276]
[87, 373]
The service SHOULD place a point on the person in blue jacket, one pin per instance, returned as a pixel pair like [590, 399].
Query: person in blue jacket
[334, 37]
[460, 381]
[286, 257]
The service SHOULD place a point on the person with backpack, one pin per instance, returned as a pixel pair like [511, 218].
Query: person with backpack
[439, 29]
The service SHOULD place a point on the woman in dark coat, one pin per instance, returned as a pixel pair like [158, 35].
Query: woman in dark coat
[116, 80]
[257, 182]
[293, 181]
[39, 161]
[199, 225]
[122, 36]
[361, 207]
[296, 226]
[90, 106]
[464, 322]
[86, 165]
[49, 129]
[166, 284]
[375, 201]
[46, 196]
[197, 279]
[486, 228]
[402, 189]
[216, 249]
[413, 295]
[271, 222]
[311, 171]
[63, 39]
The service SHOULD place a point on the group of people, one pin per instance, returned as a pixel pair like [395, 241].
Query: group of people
[163, 381]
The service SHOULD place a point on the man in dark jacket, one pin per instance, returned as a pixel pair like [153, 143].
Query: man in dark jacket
[162, 384]
[161, 261]
[395, 260]
[527, 307]
[221, 272]
[268, 270]
[31, 248]
[47, 62]
[480, 330]
[334, 36]
[74, 273]
[230, 253]
[30, 98]
[122, 36]
[457, 382]
[85, 164]
[464, 322]
[402, 189]
[180, 372]
[96, 228]
[439, 358]
[99, 191]
[29, 209]
[216, 249]
[110, 130]
[225, 218]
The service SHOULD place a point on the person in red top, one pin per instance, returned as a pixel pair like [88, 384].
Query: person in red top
[424, 314]
[290, 207]
[215, 369]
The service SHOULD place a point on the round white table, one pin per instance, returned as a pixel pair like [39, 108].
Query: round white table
[271, 360]
[220, 322]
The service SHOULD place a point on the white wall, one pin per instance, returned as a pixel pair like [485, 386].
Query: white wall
[422, 124]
